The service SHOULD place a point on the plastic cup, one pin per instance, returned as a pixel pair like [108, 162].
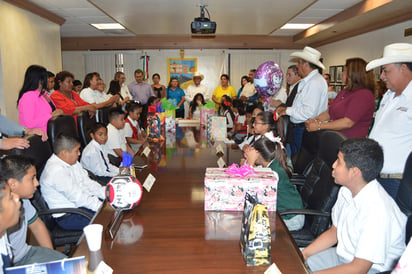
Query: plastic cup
[93, 235]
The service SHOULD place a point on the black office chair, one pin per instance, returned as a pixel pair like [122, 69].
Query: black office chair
[41, 151]
[102, 115]
[84, 124]
[310, 145]
[62, 124]
[319, 191]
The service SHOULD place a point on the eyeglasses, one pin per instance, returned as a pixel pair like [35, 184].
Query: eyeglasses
[259, 123]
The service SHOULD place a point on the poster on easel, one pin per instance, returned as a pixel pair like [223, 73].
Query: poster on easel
[183, 69]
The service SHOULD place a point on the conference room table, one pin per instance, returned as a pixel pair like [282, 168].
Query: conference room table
[170, 232]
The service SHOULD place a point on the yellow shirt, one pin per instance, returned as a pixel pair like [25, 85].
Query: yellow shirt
[219, 92]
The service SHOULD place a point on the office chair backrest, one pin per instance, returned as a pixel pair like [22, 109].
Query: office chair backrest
[39, 151]
[307, 152]
[62, 124]
[102, 115]
[320, 190]
[404, 197]
[84, 124]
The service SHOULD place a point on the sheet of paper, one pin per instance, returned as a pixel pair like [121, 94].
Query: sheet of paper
[146, 152]
[148, 183]
[273, 269]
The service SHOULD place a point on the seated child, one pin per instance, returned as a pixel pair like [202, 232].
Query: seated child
[239, 130]
[250, 138]
[9, 216]
[194, 109]
[226, 110]
[135, 136]
[367, 234]
[116, 140]
[269, 152]
[94, 157]
[20, 174]
[66, 184]
[263, 124]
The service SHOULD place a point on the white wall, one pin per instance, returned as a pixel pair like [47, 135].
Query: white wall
[25, 39]
[368, 46]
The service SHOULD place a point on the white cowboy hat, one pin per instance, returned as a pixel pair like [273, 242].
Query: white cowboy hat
[393, 53]
[309, 54]
[198, 74]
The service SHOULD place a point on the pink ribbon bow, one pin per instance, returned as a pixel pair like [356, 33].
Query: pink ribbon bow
[242, 171]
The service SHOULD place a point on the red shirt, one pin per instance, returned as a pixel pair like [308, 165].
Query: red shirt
[68, 106]
[358, 106]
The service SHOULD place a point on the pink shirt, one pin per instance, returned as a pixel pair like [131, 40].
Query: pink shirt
[34, 110]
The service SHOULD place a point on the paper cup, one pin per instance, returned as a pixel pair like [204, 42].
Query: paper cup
[93, 234]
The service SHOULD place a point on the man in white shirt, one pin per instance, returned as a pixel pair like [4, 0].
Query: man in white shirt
[368, 227]
[393, 121]
[196, 88]
[65, 184]
[312, 95]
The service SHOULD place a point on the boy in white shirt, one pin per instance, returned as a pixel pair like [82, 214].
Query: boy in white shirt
[367, 225]
[116, 141]
[135, 137]
[94, 157]
[66, 184]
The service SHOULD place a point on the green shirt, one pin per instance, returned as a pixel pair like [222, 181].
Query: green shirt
[288, 196]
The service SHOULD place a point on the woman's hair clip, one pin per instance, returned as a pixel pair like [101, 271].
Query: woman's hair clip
[226, 103]
[275, 116]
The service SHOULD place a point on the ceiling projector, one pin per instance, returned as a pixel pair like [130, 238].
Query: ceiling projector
[202, 24]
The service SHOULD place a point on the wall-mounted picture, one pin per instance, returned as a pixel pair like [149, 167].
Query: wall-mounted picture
[332, 72]
[183, 69]
[338, 76]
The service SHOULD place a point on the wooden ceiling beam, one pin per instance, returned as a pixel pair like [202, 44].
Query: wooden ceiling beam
[178, 42]
[33, 8]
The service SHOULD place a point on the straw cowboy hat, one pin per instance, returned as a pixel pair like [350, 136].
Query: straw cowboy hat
[393, 53]
[198, 74]
[309, 54]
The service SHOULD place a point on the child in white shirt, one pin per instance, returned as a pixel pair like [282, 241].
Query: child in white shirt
[135, 136]
[95, 159]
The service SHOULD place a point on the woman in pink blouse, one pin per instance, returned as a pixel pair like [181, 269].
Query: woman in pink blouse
[34, 104]
[352, 110]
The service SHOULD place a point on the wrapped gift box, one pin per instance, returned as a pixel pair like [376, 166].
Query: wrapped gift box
[205, 113]
[217, 128]
[224, 192]
[170, 121]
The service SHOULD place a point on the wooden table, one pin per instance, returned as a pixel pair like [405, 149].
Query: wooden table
[169, 232]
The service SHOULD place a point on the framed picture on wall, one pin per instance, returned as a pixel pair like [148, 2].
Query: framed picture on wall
[183, 69]
[332, 72]
[338, 76]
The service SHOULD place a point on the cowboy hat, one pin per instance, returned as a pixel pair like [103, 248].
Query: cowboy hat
[198, 74]
[309, 54]
[393, 53]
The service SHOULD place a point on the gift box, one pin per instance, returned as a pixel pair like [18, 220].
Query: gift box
[170, 121]
[217, 128]
[205, 113]
[226, 192]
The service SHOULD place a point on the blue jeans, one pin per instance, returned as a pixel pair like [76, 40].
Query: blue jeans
[72, 221]
[297, 140]
[390, 185]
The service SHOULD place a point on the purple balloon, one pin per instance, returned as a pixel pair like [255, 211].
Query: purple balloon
[268, 79]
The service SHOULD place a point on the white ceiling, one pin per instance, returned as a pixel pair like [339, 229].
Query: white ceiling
[173, 17]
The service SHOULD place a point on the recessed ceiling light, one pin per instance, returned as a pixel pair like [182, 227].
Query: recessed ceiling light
[296, 26]
[108, 26]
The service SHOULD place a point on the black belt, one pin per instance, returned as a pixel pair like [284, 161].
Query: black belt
[297, 125]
